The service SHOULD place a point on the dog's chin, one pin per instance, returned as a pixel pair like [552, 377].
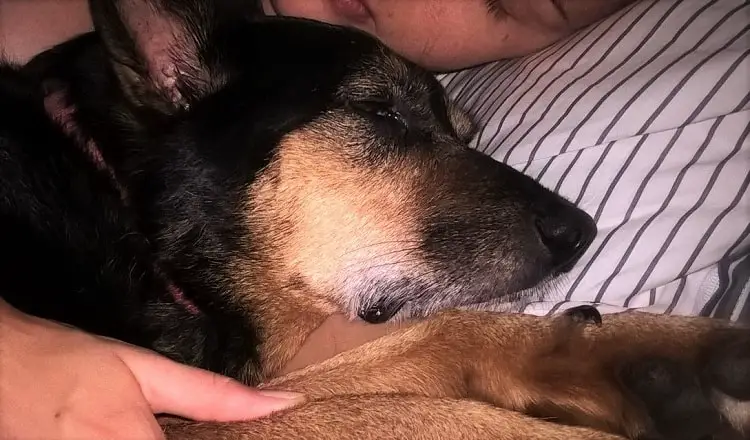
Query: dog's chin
[395, 301]
[519, 301]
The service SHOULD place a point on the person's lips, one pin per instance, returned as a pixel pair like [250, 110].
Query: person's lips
[269, 7]
[353, 10]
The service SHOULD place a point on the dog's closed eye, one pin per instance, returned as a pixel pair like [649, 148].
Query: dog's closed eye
[382, 112]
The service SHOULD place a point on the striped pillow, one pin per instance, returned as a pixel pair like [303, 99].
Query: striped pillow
[642, 120]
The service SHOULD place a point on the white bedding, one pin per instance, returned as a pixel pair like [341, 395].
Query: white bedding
[643, 120]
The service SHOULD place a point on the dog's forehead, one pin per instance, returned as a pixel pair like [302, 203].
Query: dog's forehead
[310, 56]
[383, 74]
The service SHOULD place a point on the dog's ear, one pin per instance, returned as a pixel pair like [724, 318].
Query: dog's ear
[462, 122]
[157, 49]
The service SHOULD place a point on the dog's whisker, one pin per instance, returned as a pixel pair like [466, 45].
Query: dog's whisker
[382, 243]
[407, 251]
[414, 263]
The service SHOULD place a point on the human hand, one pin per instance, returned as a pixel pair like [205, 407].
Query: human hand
[60, 383]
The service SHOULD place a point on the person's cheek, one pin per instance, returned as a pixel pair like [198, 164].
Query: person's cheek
[432, 37]
[444, 42]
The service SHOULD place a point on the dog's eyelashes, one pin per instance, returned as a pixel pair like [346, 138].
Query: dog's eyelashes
[381, 110]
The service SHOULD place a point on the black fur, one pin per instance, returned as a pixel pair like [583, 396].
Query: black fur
[74, 253]
[81, 256]
[77, 249]
[101, 251]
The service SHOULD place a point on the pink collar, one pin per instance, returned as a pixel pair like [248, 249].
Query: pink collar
[58, 109]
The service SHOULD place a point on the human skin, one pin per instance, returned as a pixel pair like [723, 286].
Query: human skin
[453, 34]
[438, 34]
[441, 34]
[28, 27]
[60, 383]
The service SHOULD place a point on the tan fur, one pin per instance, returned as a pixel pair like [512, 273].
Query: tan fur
[404, 385]
[336, 221]
[327, 226]
[341, 226]
[377, 417]
[425, 380]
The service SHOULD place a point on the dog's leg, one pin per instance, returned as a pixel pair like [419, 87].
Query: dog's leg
[637, 374]
[381, 417]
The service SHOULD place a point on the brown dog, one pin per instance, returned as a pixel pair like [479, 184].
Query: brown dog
[231, 182]
[636, 375]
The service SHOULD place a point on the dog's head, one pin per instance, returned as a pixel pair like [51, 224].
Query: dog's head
[347, 165]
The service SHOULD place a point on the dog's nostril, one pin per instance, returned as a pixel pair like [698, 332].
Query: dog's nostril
[565, 238]
[557, 235]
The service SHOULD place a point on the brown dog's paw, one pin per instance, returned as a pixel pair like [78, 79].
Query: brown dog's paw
[644, 376]
[706, 397]
[584, 315]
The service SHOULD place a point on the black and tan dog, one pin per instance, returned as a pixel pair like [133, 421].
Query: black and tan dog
[212, 186]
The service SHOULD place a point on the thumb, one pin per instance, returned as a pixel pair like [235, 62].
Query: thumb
[193, 393]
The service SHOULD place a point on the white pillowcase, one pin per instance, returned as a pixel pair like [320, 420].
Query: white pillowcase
[643, 120]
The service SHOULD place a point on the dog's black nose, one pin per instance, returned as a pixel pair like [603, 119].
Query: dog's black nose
[567, 232]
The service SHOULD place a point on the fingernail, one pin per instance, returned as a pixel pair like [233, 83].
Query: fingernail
[285, 395]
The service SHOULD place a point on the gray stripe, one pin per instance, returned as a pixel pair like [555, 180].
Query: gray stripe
[637, 197]
[742, 279]
[464, 78]
[723, 272]
[725, 309]
[593, 172]
[692, 72]
[567, 47]
[489, 78]
[661, 72]
[635, 72]
[569, 85]
[567, 171]
[668, 199]
[495, 75]
[622, 82]
[673, 303]
[689, 213]
[557, 306]
[630, 158]
[448, 80]
[621, 172]
[581, 96]
[705, 238]
[652, 297]
[486, 108]
[725, 278]
[497, 82]
[456, 83]
[617, 178]
[644, 227]
[707, 234]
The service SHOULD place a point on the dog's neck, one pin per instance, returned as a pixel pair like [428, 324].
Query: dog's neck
[286, 313]
[287, 329]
